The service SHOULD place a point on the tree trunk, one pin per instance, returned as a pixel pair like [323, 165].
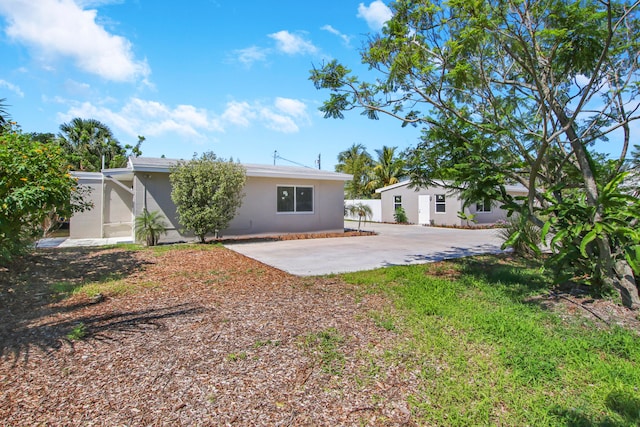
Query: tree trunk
[626, 284]
[618, 274]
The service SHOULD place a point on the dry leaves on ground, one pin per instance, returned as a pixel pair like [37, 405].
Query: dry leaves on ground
[208, 337]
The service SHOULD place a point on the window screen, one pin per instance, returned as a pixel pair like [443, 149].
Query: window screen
[295, 199]
[286, 198]
[304, 199]
[440, 203]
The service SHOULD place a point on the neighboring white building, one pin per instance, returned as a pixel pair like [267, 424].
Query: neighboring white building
[278, 200]
[437, 205]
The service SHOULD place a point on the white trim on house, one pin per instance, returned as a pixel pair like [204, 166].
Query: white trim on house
[150, 164]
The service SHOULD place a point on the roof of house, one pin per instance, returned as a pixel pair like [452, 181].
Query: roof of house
[517, 188]
[162, 165]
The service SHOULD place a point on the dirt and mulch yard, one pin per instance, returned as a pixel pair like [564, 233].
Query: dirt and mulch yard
[198, 335]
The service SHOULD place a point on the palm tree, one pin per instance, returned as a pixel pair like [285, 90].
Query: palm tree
[88, 140]
[357, 162]
[4, 115]
[387, 170]
[360, 210]
[149, 227]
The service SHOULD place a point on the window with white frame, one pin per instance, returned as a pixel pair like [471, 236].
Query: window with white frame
[294, 199]
[484, 206]
[397, 202]
[440, 203]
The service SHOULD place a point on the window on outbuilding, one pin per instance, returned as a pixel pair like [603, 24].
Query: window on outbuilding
[440, 203]
[484, 206]
[397, 202]
[295, 199]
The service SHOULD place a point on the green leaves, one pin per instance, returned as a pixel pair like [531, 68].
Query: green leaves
[34, 181]
[510, 92]
[207, 192]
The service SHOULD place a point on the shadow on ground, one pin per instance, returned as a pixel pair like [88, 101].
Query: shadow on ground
[27, 291]
[52, 336]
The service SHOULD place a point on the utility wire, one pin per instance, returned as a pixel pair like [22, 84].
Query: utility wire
[276, 156]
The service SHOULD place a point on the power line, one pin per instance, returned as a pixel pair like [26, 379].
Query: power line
[276, 156]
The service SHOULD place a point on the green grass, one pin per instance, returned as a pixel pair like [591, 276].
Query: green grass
[78, 332]
[487, 355]
[108, 287]
[325, 345]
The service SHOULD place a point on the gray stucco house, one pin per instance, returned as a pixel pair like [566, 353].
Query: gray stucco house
[437, 205]
[278, 200]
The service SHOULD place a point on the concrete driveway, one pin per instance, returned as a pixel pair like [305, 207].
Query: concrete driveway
[394, 245]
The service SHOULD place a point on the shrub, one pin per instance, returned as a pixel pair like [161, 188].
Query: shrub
[400, 216]
[149, 227]
[527, 240]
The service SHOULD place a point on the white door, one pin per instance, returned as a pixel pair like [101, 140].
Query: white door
[424, 216]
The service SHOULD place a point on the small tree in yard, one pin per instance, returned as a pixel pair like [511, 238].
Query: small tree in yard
[149, 227]
[207, 192]
[361, 210]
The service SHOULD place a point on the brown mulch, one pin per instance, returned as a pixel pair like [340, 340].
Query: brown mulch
[209, 337]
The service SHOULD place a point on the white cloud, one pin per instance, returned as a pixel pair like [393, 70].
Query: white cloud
[153, 118]
[251, 54]
[149, 118]
[61, 28]
[278, 122]
[239, 113]
[345, 38]
[292, 44]
[13, 88]
[291, 107]
[376, 14]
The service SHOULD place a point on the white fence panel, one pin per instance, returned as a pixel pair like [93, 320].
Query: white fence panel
[374, 204]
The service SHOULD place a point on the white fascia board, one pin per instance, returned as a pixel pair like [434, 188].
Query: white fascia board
[87, 176]
[297, 175]
[392, 186]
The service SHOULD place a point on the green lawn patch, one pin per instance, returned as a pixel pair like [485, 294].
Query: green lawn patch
[488, 355]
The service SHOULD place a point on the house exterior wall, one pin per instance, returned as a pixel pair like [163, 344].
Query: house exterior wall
[258, 213]
[88, 224]
[409, 203]
[496, 214]
[152, 191]
[111, 214]
[453, 205]
[118, 210]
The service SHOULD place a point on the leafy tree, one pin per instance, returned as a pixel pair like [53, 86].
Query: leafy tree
[387, 169]
[511, 91]
[207, 192]
[361, 210]
[149, 227]
[34, 181]
[88, 140]
[357, 162]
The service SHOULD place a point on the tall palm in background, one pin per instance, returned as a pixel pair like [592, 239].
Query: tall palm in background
[357, 162]
[4, 115]
[87, 141]
[388, 169]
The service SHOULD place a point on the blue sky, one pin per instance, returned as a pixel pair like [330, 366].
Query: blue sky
[193, 76]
